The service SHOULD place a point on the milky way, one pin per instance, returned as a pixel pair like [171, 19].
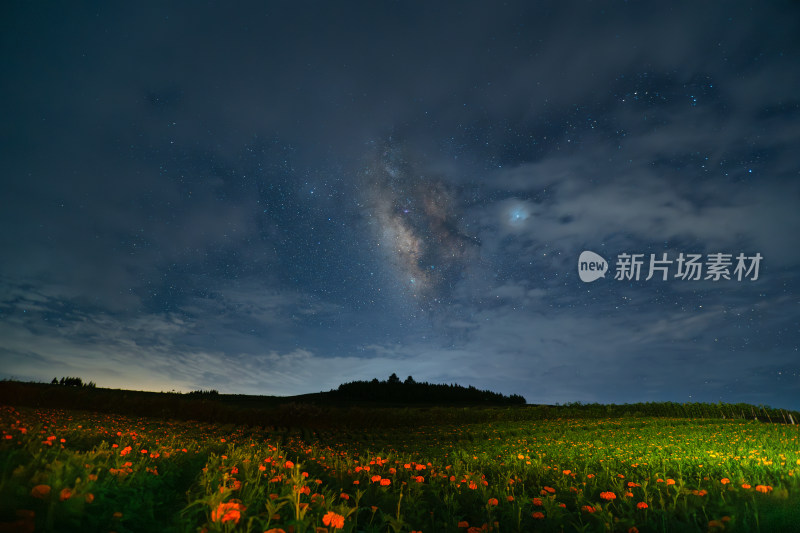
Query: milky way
[416, 221]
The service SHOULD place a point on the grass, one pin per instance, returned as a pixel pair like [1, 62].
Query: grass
[71, 470]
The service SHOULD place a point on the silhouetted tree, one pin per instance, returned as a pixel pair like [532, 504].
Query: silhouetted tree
[395, 391]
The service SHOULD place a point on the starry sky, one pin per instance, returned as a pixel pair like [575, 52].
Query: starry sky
[278, 197]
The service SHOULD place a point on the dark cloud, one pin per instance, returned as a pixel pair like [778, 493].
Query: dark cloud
[238, 198]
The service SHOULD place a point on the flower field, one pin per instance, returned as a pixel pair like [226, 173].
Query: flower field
[79, 471]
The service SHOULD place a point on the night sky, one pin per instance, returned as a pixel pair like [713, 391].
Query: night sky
[280, 197]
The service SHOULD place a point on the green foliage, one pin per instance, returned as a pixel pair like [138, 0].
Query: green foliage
[111, 472]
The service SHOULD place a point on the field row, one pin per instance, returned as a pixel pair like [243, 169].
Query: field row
[65, 470]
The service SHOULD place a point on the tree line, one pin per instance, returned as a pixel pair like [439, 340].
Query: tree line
[394, 390]
[72, 382]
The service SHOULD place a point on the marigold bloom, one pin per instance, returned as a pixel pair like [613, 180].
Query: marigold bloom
[510, 498]
[336, 521]
[633, 529]
[65, 494]
[275, 530]
[89, 498]
[288, 464]
[228, 512]
[472, 485]
[587, 508]
[40, 491]
[724, 481]
[745, 485]
[375, 479]
[670, 482]
[493, 501]
[642, 505]
[537, 502]
[386, 482]
[763, 488]
[463, 523]
[537, 515]
[608, 496]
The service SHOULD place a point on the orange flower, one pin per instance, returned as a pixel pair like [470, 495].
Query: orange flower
[275, 530]
[587, 508]
[89, 498]
[670, 482]
[336, 521]
[633, 529]
[641, 505]
[745, 486]
[510, 498]
[493, 501]
[40, 491]
[537, 502]
[288, 464]
[65, 494]
[472, 485]
[763, 488]
[228, 512]
[375, 478]
[608, 496]
[724, 481]
[386, 482]
[537, 515]
[463, 523]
